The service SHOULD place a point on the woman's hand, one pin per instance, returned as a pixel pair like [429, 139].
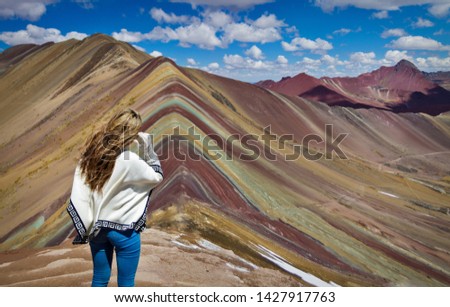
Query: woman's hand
[146, 148]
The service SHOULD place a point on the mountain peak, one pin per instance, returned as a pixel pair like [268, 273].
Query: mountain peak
[100, 38]
[405, 64]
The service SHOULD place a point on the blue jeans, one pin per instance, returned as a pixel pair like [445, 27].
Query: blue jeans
[128, 249]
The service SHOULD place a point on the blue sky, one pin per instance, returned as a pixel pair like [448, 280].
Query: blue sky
[249, 40]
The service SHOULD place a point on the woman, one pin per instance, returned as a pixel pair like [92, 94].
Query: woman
[110, 193]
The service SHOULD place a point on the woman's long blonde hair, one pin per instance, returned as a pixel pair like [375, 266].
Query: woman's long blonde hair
[103, 147]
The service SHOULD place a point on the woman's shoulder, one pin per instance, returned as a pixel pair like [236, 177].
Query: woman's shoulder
[128, 155]
[135, 169]
[128, 161]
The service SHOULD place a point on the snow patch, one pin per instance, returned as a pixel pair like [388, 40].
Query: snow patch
[283, 264]
[188, 246]
[209, 245]
[388, 194]
[5, 264]
[237, 268]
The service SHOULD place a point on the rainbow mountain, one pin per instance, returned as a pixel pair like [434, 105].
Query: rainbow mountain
[269, 184]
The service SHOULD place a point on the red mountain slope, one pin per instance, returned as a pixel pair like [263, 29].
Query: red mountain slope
[400, 88]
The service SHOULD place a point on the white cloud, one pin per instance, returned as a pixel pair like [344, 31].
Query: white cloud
[281, 59]
[366, 58]
[162, 17]
[301, 43]
[155, 53]
[213, 65]
[86, 4]
[127, 36]
[236, 61]
[289, 47]
[343, 31]
[166, 34]
[265, 29]
[433, 64]
[199, 34]
[24, 9]
[393, 32]
[381, 14]
[417, 43]
[240, 4]
[217, 19]
[205, 33]
[440, 10]
[292, 29]
[311, 62]
[392, 57]
[422, 23]
[441, 32]
[268, 21]
[255, 53]
[192, 62]
[330, 60]
[437, 7]
[330, 5]
[37, 35]
[247, 33]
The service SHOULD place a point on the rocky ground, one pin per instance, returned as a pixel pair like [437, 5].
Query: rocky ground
[166, 260]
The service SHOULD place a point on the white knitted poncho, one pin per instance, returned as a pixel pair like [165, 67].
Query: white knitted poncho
[122, 202]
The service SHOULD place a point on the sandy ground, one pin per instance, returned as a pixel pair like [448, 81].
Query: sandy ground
[166, 260]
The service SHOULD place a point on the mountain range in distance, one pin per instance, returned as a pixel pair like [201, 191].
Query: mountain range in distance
[400, 88]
